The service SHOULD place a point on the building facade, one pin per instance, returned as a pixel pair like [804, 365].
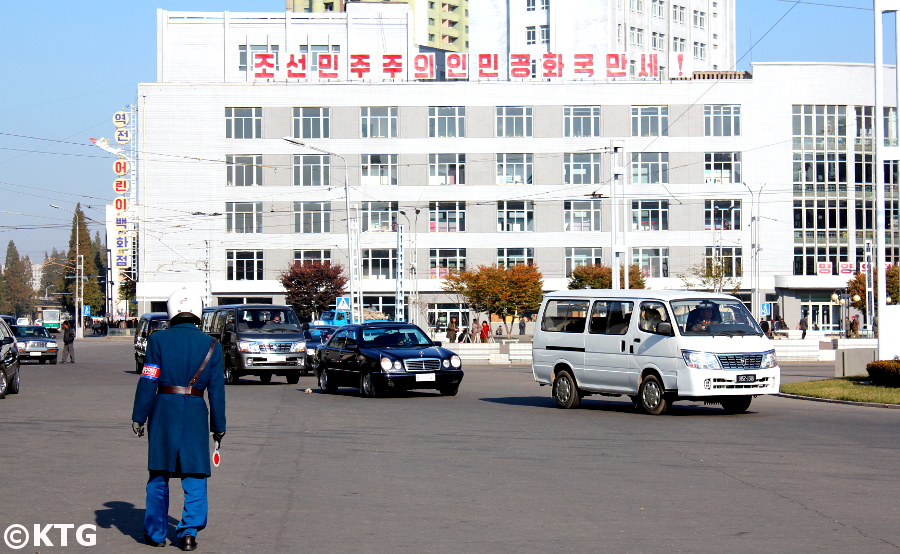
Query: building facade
[772, 175]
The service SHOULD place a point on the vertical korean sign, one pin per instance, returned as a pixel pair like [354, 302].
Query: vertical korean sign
[122, 168]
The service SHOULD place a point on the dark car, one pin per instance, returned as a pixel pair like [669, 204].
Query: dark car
[9, 361]
[315, 336]
[149, 323]
[35, 343]
[386, 357]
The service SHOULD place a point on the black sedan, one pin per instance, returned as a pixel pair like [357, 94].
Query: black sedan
[386, 357]
[9, 361]
[315, 336]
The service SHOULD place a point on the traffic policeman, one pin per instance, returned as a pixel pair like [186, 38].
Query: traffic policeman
[181, 365]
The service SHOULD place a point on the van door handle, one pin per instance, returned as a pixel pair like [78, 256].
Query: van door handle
[637, 340]
[623, 346]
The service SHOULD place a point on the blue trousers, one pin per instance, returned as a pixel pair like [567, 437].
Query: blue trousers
[193, 516]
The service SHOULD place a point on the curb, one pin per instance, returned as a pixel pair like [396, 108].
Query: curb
[834, 401]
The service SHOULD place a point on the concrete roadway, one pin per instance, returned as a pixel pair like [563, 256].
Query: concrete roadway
[497, 468]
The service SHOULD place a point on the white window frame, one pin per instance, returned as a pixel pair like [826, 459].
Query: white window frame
[649, 215]
[442, 260]
[650, 121]
[243, 170]
[509, 257]
[514, 121]
[244, 268]
[379, 263]
[303, 257]
[378, 169]
[446, 121]
[581, 168]
[446, 169]
[722, 120]
[515, 216]
[514, 168]
[243, 123]
[653, 261]
[447, 216]
[378, 216]
[312, 217]
[582, 121]
[650, 168]
[312, 170]
[581, 216]
[243, 218]
[378, 121]
[312, 122]
[579, 256]
[722, 167]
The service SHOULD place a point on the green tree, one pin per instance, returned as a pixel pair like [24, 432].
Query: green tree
[600, 277]
[18, 284]
[857, 286]
[312, 287]
[502, 291]
[80, 245]
[53, 274]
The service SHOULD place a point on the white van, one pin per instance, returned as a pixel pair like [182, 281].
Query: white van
[654, 346]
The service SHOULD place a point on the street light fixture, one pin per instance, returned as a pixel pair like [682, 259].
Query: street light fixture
[843, 299]
[79, 271]
[353, 260]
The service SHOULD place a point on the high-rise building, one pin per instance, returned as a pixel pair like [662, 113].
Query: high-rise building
[440, 24]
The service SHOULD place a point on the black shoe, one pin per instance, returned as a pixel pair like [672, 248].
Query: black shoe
[152, 542]
[188, 543]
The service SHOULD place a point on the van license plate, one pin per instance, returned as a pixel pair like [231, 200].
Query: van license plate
[425, 377]
[749, 378]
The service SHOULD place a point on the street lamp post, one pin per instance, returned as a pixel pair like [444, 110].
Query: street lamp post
[843, 300]
[414, 301]
[79, 269]
[351, 227]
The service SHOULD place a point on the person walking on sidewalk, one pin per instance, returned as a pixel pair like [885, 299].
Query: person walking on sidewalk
[804, 324]
[68, 342]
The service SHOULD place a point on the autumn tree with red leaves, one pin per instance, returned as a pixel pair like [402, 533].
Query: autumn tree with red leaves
[313, 287]
[499, 290]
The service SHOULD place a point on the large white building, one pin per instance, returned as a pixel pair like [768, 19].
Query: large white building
[772, 173]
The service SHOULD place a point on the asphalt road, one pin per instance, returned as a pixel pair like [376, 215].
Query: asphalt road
[497, 468]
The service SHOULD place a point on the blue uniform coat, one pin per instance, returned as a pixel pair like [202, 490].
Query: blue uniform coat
[179, 425]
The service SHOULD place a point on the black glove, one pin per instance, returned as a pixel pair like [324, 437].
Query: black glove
[217, 436]
[138, 428]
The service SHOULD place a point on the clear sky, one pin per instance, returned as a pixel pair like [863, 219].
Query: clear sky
[71, 65]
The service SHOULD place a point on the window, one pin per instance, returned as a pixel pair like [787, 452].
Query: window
[446, 169]
[312, 170]
[531, 35]
[545, 4]
[513, 216]
[514, 169]
[244, 60]
[304, 257]
[379, 169]
[243, 217]
[441, 261]
[582, 121]
[678, 44]
[447, 217]
[699, 19]
[243, 123]
[582, 169]
[446, 121]
[530, 5]
[513, 121]
[658, 41]
[650, 121]
[378, 263]
[730, 258]
[311, 122]
[650, 167]
[379, 216]
[699, 50]
[723, 167]
[577, 257]
[243, 171]
[513, 256]
[678, 13]
[312, 217]
[545, 34]
[582, 215]
[650, 215]
[313, 51]
[244, 265]
[636, 5]
[722, 120]
[565, 316]
[654, 262]
[658, 8]
[722, 215]
[636, 36]
[379, 122]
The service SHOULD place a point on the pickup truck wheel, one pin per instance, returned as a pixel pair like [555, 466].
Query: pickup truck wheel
[565, 390]
[293, 378]
[265, 377]
[736, 404]
[653, 397]
[230, 377]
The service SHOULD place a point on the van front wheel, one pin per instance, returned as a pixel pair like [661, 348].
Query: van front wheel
[736, 404]
[652, 396]
[565, 390]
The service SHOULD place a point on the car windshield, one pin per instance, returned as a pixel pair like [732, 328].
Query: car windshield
[714, 317]
[395, 337]
[273, 319]
[31, 333]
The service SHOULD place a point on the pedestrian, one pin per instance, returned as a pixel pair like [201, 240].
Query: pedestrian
[475, 330]
[803, 325]
[182, 363]
[452, 328]
[68, 342]
[854, 327]
[522, 321]
[499, 331]
[485, 331]
[764, 325]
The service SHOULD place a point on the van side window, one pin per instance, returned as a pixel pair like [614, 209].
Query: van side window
[610, 317]
[565, 316]
[652, 313]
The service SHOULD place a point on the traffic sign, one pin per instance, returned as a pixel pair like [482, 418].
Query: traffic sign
[765, 309]
[343, 303]
[87, 310]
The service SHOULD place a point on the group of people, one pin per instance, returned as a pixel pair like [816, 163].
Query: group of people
[772, 326]
[477, 332]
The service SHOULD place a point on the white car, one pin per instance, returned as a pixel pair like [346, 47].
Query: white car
[23, 321]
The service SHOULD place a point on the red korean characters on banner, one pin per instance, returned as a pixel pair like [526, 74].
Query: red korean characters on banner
[584, 65]
[423, 66]
[121, 186]
[360, 65]
[264, 65]
[649, 65]
[616, 65]
[121, 167]
[121, 204]
[864, 268]
[553, 65]
[845, 268]
[328, 66]
[392, 65]
[823, 268]
[488, 65]
[296, 66]
[457, 65]
[520, 66]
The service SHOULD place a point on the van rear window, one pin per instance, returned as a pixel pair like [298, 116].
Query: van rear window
[565, 316]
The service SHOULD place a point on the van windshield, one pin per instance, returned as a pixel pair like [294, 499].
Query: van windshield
[714, 317]
[273, 319]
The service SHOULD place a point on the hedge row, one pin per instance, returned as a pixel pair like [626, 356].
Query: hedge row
[885, 372]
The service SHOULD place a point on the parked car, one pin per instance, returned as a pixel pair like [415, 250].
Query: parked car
[23, 321]
[9, 319]
[35, 343]
[257, 339]
[147, 324]
[9, 361]
[384, 357]
[315, 336]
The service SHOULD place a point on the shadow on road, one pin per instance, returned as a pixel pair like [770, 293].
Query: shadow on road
[125, 517]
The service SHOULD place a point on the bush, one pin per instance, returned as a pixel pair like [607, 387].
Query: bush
[884, 372]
